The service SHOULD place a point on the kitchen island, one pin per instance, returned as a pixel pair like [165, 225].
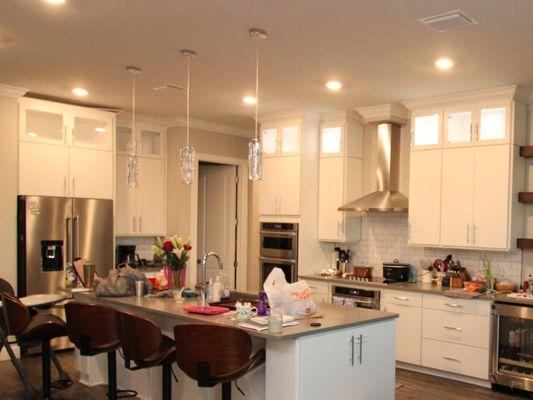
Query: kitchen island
[350, 356]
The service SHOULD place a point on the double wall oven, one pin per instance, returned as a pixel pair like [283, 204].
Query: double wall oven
[278, 249]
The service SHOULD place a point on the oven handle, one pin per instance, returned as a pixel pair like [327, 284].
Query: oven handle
[277, 234]
[495, 343]
[283, 260]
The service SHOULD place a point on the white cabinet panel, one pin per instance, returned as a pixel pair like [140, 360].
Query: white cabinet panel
[491, 196]
[43, 169]
[330, 198]
[42, 121]
[493, 123]
[126, 200]
[93, 130]
[459, 126]
[408, 332]
[290, 140]
[426, 130]
[269, 187]
[331, 140]
[457, 196]
[270, 141]
[466, 306]
[91, 173]
[151, 197]
[289, 185]
[425, 197]
[403, 298]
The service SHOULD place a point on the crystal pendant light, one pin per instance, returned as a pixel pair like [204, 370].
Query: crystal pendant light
[255, 147]
[133, 162]
[187, 153]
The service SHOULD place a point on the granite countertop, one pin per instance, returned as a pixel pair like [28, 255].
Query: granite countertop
[333, 316]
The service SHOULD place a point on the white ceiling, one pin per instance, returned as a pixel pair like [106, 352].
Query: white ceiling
[377, 48]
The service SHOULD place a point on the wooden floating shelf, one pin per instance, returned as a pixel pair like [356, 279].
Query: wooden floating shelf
[526, 151]
[524, 243]
[525, 197]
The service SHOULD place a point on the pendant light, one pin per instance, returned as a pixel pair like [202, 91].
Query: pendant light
[187, 153]
[255, 147]
[133, 162]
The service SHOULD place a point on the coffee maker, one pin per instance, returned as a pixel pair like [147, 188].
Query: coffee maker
[126, 255]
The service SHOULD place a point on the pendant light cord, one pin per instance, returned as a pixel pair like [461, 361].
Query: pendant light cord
[256, 91]
[188, 94]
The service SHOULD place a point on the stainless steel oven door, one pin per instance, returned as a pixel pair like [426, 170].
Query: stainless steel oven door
[289, 268]
[512, 346]
[279, 244]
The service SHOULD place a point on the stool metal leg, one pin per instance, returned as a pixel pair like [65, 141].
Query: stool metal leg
[47, 393]
[16, 363]
[167, 381]
[226, 391]
[112, 375]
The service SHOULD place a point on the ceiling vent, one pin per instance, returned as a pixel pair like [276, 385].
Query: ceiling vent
[167, 87]
[448, 21]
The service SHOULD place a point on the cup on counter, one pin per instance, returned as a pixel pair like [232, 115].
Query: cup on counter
[89, 271]
[244, 311]
[139, 288]
[275, 321]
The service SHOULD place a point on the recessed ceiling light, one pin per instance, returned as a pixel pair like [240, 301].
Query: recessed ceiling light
[249, 100]
[444, 63]
[334, 85]
[100, 130]
[56, 1]
[32, 134]
[80, 91]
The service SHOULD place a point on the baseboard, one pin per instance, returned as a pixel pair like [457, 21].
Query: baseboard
[443, 374]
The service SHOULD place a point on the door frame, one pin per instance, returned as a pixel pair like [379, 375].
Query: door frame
[242, 216]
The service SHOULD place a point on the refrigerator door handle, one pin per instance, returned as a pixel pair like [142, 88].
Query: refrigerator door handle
[69, 240]
[76, 237]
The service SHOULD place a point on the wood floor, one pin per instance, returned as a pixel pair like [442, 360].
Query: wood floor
[415, 386]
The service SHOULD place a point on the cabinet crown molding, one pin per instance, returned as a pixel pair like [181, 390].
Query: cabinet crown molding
[391, 112]
[342, 115]
[12, 91]
[504, 93]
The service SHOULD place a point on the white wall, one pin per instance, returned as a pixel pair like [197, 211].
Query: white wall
[8, 188]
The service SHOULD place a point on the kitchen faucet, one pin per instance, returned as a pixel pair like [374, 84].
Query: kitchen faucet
[203, 284]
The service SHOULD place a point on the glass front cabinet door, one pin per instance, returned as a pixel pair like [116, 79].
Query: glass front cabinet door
[42, 122]
[493, 125]
[426, 130]
[458, 126]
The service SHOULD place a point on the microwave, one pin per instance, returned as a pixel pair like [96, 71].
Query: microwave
[279, 240]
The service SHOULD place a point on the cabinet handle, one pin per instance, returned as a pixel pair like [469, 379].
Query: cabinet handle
[360, 348]
[467, 233]
[412, 138]
[451, 359]
[65, 186]
[477, 132]
[140, 224]
[401, 298]
[73, 186]
[352, 343]
[275, 206]
[453, 328]
[474, 234]
[134, 224]
[453, 305]
[471, 131]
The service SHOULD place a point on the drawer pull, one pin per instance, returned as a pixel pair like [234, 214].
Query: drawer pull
[453, 305]
[451, 359]
[453, 328]
[401, 298]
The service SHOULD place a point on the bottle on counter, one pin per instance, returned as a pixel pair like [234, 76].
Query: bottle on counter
[261, 304]
[217, 288]
[530, 284]
[210, 290]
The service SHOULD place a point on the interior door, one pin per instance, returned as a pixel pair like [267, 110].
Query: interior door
[289, 185]
[91, 173]
[151, 197]
[330, 198]
[93, 233]
[457, 196]
[126, 200]
[425, 176]
[491, 196]
[217, 211]
[269, 186]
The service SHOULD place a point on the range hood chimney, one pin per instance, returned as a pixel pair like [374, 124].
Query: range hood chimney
[387, 197]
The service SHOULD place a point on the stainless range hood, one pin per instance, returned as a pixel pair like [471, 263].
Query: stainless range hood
[387, 197]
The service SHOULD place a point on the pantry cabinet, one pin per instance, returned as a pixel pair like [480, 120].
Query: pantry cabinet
[65, 150]
[279, 188]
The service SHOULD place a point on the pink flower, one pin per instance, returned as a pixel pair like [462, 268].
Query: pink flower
[177, 252]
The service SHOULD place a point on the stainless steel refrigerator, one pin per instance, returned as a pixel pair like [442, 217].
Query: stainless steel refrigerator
[54, 231]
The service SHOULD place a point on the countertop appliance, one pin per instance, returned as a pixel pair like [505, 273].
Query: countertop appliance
[356, 297]
[512, 345]
[396, 272]
[278, 249]
[126, 254]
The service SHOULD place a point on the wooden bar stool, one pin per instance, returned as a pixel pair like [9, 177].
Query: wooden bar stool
[212, 354]
[94, 329]
[145, 346]
[29, 329]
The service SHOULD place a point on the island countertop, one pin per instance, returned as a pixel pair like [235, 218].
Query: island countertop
[330, 316]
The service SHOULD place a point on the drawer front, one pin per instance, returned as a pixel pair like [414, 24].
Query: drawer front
[318, 287]
[467, 306]
[320, 298]
[404, 298]
[454, 327]
[456, 358]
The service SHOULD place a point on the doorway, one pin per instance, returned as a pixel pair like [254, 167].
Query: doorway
[218, 189]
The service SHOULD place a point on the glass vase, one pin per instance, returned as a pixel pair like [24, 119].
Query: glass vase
[179, 278]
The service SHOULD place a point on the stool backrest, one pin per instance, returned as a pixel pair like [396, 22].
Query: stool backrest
[225, 349]
[16, 315]
[92, 327]
[140, 336]
[5, 287]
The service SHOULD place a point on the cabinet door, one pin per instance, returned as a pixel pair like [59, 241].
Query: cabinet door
[426, 130]
[458, 126]
[92, 129]
[457, 196]
[329, 354]
[125, 204]
[151, 197]
[330, 198]
[331, 140]
[491, 196]
[408, 332]
[91, 173]
[123, 140]
[289, 185]
[290, 140]
[151, 143]
[375, 366]
[43, 169]
[42, 121]
[494, 123]
[270, 141]
[425, 176]
[268, 187]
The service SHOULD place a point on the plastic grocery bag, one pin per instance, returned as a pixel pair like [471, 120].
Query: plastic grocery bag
[292, 299]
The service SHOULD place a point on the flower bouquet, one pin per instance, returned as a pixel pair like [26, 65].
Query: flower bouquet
[173, 255]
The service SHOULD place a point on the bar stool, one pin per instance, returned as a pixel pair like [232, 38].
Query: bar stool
[145, 345]
[94, 329]
[29, 329]
[212, 354]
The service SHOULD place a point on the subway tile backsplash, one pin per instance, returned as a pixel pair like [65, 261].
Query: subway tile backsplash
[384, 238]
[143, 243]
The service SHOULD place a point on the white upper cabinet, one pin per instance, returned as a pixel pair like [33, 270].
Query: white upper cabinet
[150, 139]
[92, 129]
[42, 122]
[426, 129]
[281, 139]
[91, 173]
[279, 189]
[270, 141]
[458, 126]
[151, 143]
[493, 125]
[331, 140]
[290, 140]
